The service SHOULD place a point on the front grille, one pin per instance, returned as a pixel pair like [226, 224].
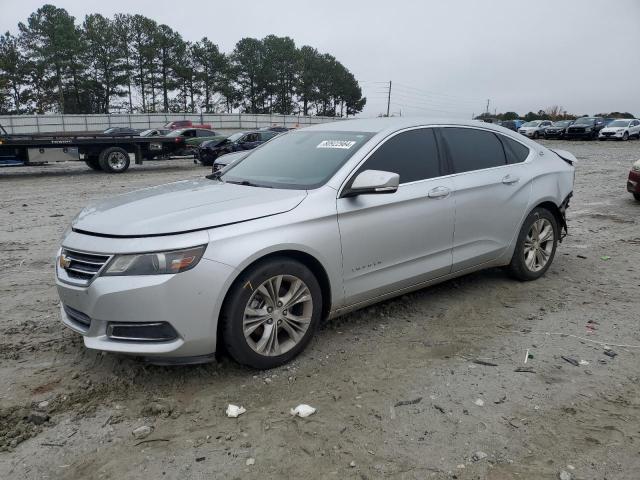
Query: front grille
[81, 321]
[608, 134]
[82, 267]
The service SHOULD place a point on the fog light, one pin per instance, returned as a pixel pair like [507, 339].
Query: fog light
[142, 332]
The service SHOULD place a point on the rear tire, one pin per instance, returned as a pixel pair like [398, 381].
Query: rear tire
[637, 196]
[114, 160]
[259, 327]
[536, 135]
[536, 246]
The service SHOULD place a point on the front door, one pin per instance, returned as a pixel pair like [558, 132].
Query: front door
[393, 241]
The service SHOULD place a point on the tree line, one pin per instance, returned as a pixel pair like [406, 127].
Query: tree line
[554, 113]
[130, 63]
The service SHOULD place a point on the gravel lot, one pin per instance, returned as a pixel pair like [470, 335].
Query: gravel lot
[396, 387]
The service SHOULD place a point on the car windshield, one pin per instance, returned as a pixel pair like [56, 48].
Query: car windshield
[111, 130]
[298, 160]
[584, 121]
[619, 123]
[562, 123]
[535, 123]
[148, 133]
[235, 136]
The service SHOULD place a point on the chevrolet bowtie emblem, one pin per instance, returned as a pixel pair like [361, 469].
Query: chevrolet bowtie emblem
[64, 261]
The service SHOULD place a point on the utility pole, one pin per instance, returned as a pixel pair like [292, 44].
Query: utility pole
[487, 105]
[389, 99]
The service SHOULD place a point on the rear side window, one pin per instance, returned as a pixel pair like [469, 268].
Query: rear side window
[473, 149]
[413, 155]
[515, 151]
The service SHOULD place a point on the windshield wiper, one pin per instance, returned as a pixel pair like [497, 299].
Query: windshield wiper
[247, 183]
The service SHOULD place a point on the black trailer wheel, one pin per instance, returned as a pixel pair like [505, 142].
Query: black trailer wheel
[93, 163]
[114, 160]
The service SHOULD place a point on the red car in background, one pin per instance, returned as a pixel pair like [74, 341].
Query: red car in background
[633, 183]
[175, 124]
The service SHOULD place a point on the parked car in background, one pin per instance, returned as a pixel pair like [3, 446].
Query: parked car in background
[313, 224]
[209, 151]
[534, 129]
[175, 124]
[154, 132]
[621, 129]
[121, 131]
[510, 124]
[194, 136]
[228, 159]
[276, 128]
[557, 129]
[633, 183]
[586, 128]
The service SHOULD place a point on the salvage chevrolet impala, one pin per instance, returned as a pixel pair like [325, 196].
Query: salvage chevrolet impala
[312, 224]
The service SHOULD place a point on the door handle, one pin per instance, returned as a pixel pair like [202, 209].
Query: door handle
[510, 180]
[439, 192]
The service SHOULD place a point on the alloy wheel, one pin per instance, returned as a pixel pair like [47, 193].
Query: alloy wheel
[538, 245]
[277, 315]
[117, 160]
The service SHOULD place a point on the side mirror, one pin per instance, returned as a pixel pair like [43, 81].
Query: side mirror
[373, 182]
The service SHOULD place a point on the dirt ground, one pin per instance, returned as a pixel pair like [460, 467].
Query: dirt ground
[397, 392]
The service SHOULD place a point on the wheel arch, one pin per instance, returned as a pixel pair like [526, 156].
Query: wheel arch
[307, 259]
[553, 208]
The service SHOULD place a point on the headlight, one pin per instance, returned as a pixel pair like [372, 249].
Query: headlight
[156, 263]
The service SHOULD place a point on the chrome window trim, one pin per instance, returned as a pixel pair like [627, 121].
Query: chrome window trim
[450, 175]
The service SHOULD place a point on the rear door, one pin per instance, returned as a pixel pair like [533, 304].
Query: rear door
[392, 241]
[491, 190]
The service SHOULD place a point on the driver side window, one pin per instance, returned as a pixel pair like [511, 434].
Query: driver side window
[412, 154]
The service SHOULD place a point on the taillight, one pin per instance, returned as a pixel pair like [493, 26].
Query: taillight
[179, 140]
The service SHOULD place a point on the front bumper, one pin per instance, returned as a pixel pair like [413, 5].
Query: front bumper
[189, 302]
[612, 135]
[570, 134]
[633, 183]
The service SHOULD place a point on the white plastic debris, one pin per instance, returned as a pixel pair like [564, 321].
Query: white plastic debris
[142, 432]
[303, 410]
[234, 411]
[479, 402]
[250, 461]
[564, 475]
[583, 362]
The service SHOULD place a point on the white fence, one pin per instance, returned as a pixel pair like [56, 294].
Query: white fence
[91, 123]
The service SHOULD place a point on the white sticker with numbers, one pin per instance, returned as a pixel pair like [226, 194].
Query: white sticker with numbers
[343, 144]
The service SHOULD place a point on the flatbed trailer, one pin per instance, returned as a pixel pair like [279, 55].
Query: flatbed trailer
[100, 152]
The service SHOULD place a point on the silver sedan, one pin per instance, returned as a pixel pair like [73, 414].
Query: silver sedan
[317, 222]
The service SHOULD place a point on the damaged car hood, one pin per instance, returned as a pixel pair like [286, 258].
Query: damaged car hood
[183, 207]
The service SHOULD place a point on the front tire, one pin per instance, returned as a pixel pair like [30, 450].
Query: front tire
[536, 246]
[637, 196]
[271, 312]
[625, 136]
[536, 135]
[114, 160]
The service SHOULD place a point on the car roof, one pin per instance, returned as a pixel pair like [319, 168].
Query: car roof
[392, 124]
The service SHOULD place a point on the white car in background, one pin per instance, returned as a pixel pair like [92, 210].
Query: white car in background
[535, 128]
[621, 129]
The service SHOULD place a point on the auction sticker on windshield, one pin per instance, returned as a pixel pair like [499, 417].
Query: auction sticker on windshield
[344, 144]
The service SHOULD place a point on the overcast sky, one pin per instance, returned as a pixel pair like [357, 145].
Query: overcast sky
[445, 58]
